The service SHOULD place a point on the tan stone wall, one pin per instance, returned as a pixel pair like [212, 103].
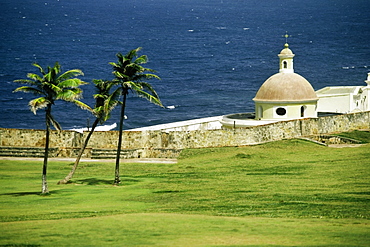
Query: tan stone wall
[36, 138]
[162, 144]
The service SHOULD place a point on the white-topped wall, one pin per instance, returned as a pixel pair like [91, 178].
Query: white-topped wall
[344, 99]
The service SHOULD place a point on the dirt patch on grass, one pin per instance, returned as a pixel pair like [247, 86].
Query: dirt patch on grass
[344, 145]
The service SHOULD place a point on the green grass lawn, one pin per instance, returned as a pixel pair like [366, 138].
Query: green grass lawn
[286, 193]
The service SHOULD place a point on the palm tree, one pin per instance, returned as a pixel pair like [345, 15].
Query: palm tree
[52, 85]
[130, 76]
[105, 102]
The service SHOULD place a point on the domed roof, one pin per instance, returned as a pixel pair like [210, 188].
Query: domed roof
[286, 50]
[286, 87]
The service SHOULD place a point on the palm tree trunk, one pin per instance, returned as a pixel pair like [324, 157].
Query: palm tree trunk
[71, 173]
[45, 189]
[117, 179]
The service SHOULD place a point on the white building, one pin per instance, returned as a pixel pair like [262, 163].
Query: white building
[344, 99]
[285, 95]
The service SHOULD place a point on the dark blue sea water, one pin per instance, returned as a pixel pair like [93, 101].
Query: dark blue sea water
[212, 55]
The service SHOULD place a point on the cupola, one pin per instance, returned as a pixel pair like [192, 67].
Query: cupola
[286, 60]
[285, 95]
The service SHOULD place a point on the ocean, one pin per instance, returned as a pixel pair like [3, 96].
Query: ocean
[212, 55]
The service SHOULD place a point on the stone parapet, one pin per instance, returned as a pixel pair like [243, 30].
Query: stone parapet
[158, 143]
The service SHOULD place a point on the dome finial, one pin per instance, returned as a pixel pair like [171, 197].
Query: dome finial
[286, 57]
[286, 36]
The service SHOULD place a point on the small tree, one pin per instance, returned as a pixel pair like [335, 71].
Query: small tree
[52, 85]
[130, 76]
[105, 102]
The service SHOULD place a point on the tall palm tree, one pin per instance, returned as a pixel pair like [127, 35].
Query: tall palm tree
[130, 75]
[105, 102]
[52, 85]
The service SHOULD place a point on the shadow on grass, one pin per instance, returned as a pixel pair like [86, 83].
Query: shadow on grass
[37, 193]
[93, 181]
[96, 181]
[21, 193]
[167, 191]
[20, 245]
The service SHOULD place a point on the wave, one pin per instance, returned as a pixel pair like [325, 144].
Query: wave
[356, 67]
[98, 128]
[172, 107]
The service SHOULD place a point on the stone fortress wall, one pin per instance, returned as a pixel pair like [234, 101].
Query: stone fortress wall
[168, 144]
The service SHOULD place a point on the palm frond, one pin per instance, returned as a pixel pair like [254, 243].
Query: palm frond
[150, 70]
[103, 88]
[112, 100]
[105, 101]
[132, 85]
[69, 74]
[71, 83]
[38, 103]
[51, 75]
[70, 94]
[25, 81]
[134, 68]
[122, 61]
[42, 71]
[121, 58]
[28, 89]
[82, 105]
[141, 77]
[142, 59]
[99, 96]
[121, 76]
[148, 87]
[125, 59]
[56, 69]
[138, 89]
[113, 64]
[132, 54]
[149, 97]
[98, 112]
[36, 78]
[105, 117]
[51, 88]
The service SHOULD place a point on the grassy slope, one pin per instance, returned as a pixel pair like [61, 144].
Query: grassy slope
[360, 135]
[287, 193]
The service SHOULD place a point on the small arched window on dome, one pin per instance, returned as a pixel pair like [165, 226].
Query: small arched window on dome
[303, 108]
[260, 112]
[285, 64]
